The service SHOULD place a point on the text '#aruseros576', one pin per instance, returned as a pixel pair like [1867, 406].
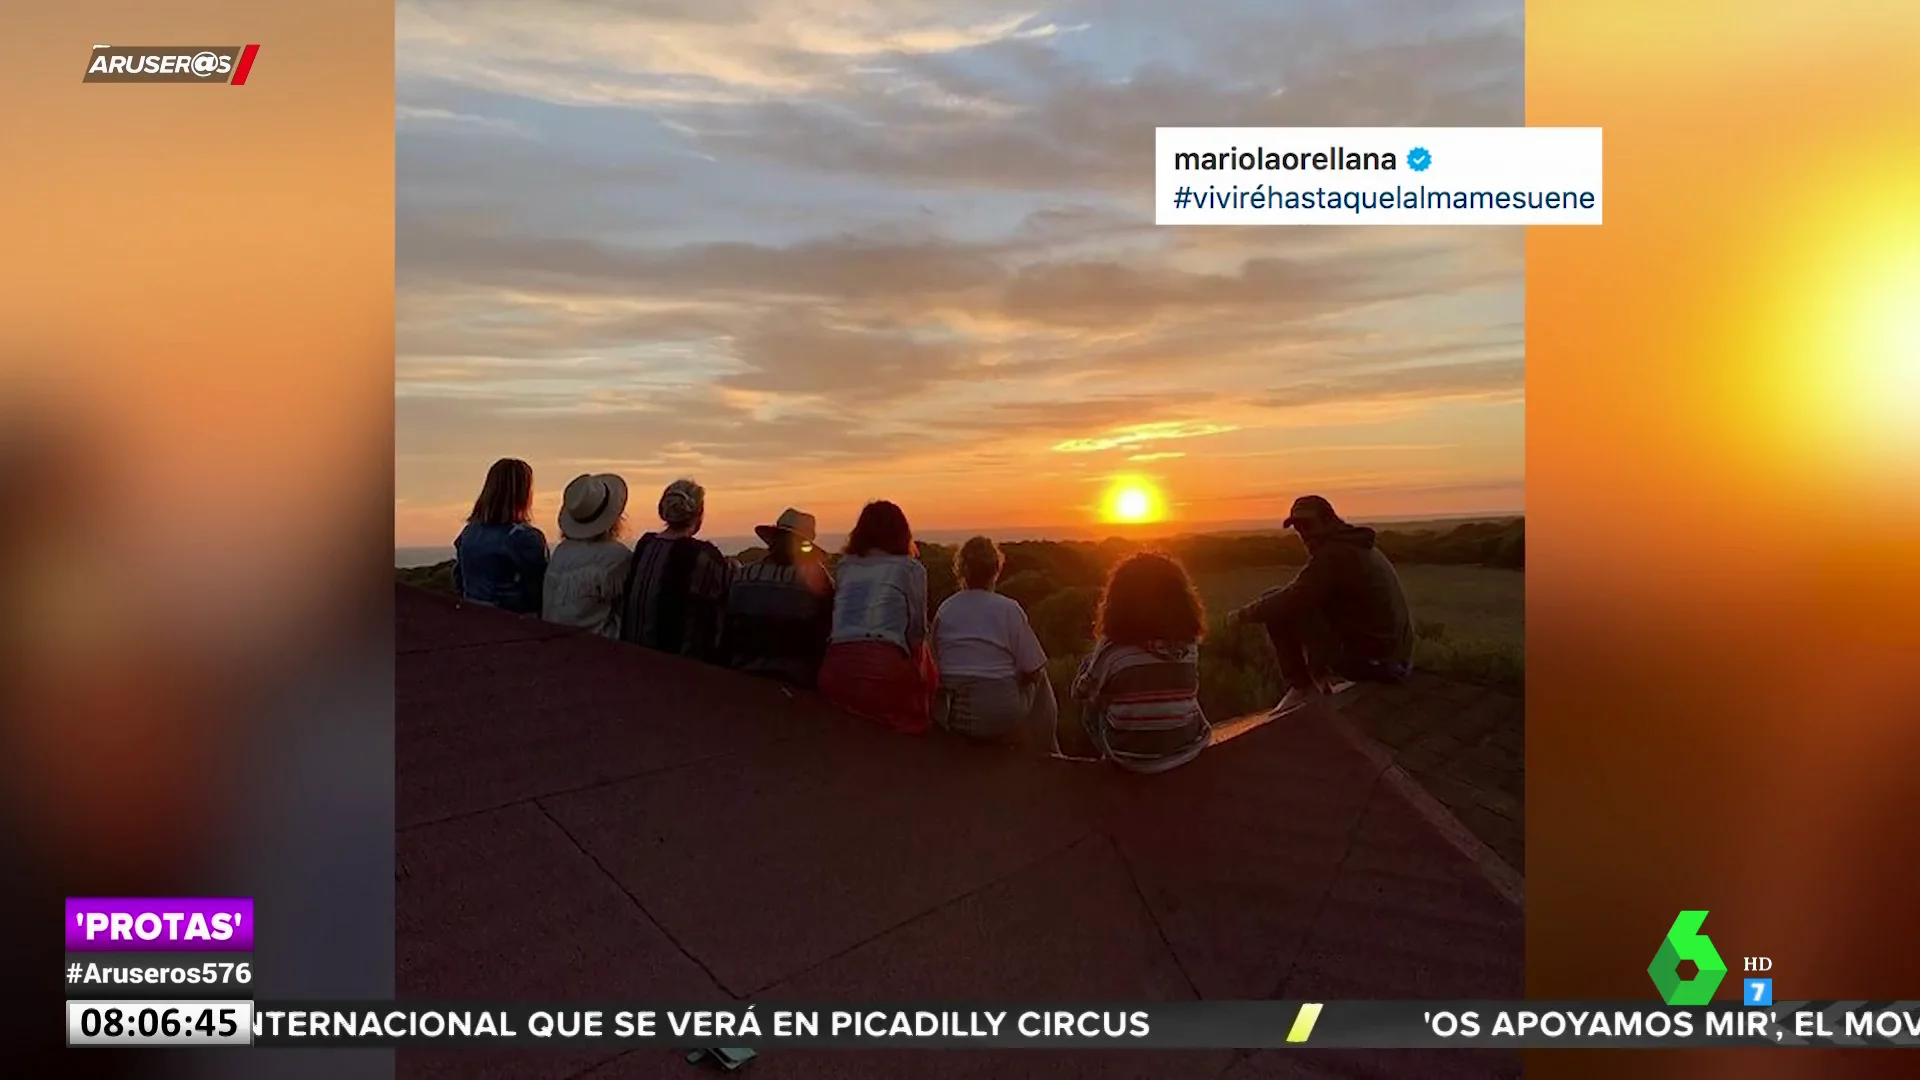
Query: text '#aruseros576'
[158, 974]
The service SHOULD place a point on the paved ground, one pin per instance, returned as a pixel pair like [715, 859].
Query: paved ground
[583, 819]
[1463, 743]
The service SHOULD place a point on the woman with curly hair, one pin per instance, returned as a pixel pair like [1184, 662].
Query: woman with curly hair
[1141, 686]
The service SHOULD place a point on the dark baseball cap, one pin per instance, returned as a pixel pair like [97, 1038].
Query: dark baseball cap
[1313, 506]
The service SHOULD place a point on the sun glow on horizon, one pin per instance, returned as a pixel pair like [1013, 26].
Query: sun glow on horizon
[1843, 364]
[1132, 500]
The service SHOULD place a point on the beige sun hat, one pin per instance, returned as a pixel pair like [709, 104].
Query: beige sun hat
[797, 522]
[591, 505]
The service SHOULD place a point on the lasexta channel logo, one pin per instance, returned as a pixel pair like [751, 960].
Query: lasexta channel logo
[1685, 942]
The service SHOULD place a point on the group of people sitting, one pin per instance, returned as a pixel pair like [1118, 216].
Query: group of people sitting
[861, 633]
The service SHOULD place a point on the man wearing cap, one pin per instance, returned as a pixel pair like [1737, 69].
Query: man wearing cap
[588, 571]
[780, 609]
[1343, 616]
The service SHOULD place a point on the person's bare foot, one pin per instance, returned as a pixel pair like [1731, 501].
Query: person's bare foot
[1298, 699]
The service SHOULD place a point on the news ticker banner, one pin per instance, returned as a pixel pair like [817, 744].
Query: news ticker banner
[1377, 176]
[1201, 1025]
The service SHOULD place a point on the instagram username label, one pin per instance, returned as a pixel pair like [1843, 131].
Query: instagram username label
[1377, 176]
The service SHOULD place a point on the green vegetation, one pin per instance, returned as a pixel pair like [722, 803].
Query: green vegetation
[436, 578]
[1463, 583]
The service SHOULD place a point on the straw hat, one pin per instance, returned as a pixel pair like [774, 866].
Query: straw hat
[591, 505]
[792, 522]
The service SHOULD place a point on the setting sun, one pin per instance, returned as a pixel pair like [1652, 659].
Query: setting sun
[1132, 501]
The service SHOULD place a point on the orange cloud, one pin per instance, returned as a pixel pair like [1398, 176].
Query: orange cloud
[1143, 433]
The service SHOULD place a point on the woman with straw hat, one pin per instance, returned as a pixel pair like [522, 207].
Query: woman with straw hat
[780, 609]
[588, 571]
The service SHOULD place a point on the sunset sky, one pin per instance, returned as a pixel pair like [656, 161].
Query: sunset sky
[813, 252]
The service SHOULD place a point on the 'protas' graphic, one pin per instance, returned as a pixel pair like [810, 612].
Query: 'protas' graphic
[222, 65]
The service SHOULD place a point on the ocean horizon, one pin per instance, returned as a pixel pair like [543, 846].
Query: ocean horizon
[411, 556]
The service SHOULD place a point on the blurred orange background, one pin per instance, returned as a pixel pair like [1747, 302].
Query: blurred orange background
[199, 336]
[196, 402]
[1724, 501]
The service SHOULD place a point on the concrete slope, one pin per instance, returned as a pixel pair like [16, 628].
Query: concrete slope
[585, 819]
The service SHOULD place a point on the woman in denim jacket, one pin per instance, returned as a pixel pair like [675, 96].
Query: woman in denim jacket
[500, 558]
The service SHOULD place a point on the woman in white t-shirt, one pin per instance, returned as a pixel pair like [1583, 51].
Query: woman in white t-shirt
[993, 672]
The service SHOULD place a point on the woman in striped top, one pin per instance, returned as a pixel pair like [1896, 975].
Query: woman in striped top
[1141, 686]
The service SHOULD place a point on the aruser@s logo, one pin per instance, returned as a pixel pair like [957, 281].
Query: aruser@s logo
[1684, 941]
[220, 65]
